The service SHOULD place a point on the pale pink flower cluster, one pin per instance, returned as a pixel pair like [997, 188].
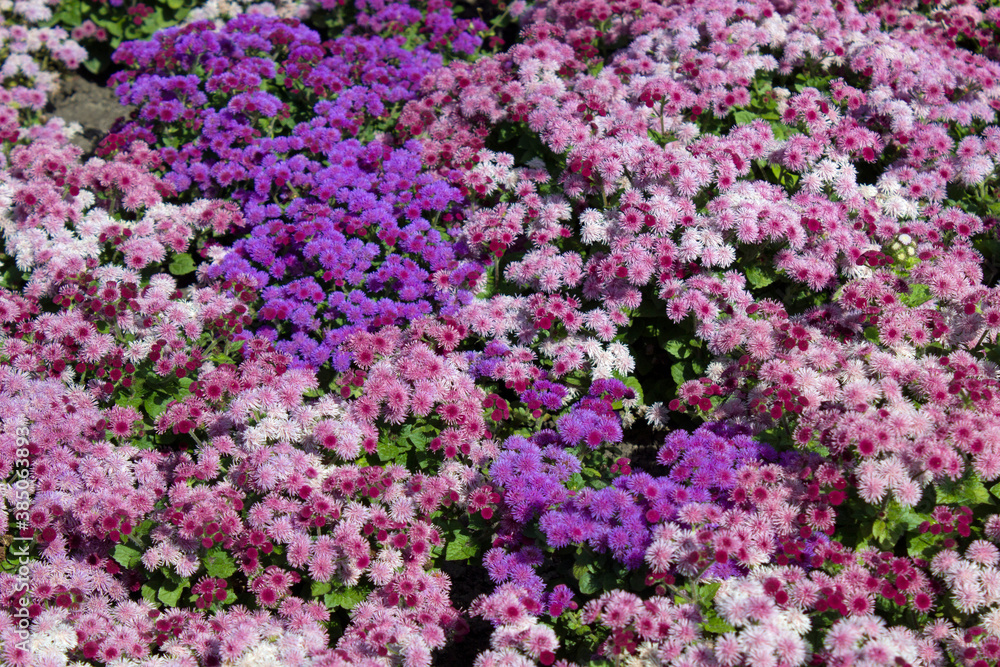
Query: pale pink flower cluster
[518, 637]
[383, 634]
[765, 634]
[648, 226]
[974, 579]
[45, 187]
[296, 637]
[866, 640]
[673, 628]
[28, 75]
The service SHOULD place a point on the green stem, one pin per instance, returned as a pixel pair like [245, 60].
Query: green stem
[696, 580]
[679, 592]
[981, 339]
[211, 346]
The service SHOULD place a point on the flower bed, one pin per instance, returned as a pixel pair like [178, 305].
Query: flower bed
[677, 322]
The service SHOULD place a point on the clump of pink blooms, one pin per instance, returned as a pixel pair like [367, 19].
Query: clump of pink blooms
[261, 483]
[198, 498]
[888, 375]
[28, 46]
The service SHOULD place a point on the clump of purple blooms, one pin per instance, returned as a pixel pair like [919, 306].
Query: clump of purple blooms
[343, 235]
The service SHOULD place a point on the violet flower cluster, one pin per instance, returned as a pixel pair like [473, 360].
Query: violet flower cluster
[442, 30]
[343, 235]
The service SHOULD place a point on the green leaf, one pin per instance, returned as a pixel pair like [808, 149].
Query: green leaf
[758, 277]
[871, 334]
[898, 522]
[142, 529]
[879, 530]
[135, 398]
[148, 593]
[346, 598]
[417, 436]
[588, 584]
[970, 492]
[782, 131]
[608, 581]
[171, 596]
[9, 277]
[586, 557]
[677, 372]
[707, 593]
[744, 117]
[320, 588]
[676, 348]
[219, 564]
[716, 625]
[460, 547]
[155, 404]
[888, 532]
[127, 557]
[584, 566]
[144, 442]
[181, 264]
[531, 146]
[68, 14]
[93, 65]
[388, 451]
[175, 4]
[918, 294]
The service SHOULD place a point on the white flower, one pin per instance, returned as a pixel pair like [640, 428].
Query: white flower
[991, 621]
[714, 371]
[391, 557]
[603, 364]
[594, 226]
[827, 170]
[261, 654]
[657, 415]
[52, 638]
[622, 358]
[898, 207]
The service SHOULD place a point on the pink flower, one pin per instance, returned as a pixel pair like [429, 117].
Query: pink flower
[982, 552]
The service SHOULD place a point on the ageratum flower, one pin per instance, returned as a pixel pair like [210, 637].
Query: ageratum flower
[354, 222]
